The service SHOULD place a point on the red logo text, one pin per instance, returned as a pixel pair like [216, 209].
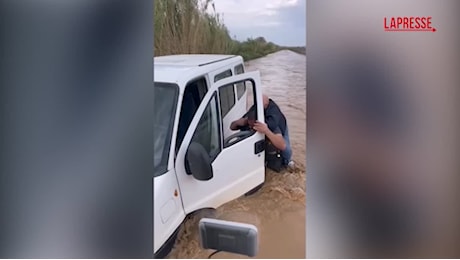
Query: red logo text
[407, 24]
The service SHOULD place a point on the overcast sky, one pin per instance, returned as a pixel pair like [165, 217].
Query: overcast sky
[280, 21]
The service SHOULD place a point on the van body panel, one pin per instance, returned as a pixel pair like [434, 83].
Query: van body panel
[167, 208]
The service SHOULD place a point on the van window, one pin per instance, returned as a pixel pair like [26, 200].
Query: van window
[240, 87]
[223, 75]
[193, 95]
[207, 132]
[244, 108]
[227, 99]
[165, 103]
[226, 94]
[239, 69]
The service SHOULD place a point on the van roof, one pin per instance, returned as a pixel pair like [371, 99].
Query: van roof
[176, 68]
[190, 60]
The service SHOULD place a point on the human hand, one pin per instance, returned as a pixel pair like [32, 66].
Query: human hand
[261, 127]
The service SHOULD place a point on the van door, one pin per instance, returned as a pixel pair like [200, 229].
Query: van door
[236, 162]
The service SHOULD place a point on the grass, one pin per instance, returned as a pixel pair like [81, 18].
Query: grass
[184, 27]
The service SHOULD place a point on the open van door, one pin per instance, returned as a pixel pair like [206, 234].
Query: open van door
[212, 168]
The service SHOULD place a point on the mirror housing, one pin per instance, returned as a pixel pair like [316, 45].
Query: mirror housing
[198, 163]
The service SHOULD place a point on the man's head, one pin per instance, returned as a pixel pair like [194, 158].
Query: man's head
[266, 100]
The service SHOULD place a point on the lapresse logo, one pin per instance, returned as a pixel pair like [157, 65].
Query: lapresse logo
[408, 24]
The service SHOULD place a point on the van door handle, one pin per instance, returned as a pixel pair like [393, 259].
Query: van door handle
[259, 146]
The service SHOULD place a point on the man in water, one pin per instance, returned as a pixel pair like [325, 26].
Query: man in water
[275, 129]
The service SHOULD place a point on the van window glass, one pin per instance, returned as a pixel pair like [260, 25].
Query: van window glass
[223, 75]
[227, 99]
[165, 103]
[240, 87]
[239, 69]
[244, 108]
[193, 95]
[207, 132]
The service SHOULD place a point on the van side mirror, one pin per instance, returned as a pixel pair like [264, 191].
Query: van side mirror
[198, 163]
[229, 236]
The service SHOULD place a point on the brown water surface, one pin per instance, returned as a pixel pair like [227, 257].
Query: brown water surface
[278, 209]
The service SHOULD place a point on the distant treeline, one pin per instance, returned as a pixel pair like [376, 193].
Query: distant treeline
[300, 50]
[184, 26]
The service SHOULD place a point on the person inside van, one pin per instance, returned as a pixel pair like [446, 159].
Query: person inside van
[275, 130]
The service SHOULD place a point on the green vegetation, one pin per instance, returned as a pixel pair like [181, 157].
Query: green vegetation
[254, 48]
[184, 26]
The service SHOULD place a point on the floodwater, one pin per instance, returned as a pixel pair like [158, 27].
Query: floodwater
[278, 209]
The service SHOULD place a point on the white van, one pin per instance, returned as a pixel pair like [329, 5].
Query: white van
[199, 163]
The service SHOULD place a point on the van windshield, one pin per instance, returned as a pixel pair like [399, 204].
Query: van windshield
[165, 103]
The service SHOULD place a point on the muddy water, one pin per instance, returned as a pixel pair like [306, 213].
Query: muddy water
[278, 209]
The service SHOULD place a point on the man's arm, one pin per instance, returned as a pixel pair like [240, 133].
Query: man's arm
[275, 137]
[243, 121]
[235, 125]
